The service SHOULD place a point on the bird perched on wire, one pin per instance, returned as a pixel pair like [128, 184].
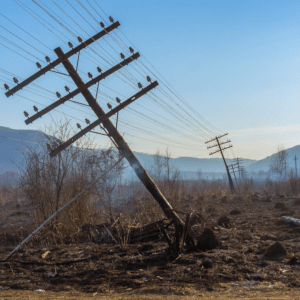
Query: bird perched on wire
[67, 89]
[78, 125]
[140, 85]
[102, 24]
[118, 100]
[122, 55]
[47, 59]
[58, 95]
[6, 86]
[38, 65]
[90, 75]
[148, 79]
[26, 114]
[35, 108]
[87, 121]
[109, 106]
[111, 19]
[15, 80]
[131, 50]
[79, 39]
[70, 44]
[99, 70]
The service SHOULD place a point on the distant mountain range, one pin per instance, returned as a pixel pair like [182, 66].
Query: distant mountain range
[12, 142]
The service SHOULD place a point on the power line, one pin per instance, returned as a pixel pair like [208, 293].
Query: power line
[20, 140]
[164, 92]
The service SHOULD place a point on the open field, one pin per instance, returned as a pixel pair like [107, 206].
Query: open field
[142, 270]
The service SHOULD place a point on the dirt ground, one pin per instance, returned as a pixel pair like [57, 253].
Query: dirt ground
[238, 269]
[255, 294]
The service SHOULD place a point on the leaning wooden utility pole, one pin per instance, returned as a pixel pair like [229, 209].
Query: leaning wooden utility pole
[122, 145]
[217, 139]
[103, 118]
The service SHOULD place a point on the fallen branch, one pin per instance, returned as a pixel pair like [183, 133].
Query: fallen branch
[291, 220]
[47, 263]
[108, 229]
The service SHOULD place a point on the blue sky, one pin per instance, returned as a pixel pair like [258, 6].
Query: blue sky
[236, 63]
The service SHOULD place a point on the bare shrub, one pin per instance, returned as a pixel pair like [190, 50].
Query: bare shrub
[49, 183]
[279, 161]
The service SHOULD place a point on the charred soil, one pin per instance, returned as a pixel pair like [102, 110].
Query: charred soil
[237, 255]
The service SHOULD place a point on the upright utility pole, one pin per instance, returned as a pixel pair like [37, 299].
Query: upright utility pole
[284, 168]
[217, 139]
[242, 171]
[295, 159]
[82, 88]
[238, 161]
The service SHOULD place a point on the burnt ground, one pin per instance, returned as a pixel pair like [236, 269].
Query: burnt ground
[147, 267]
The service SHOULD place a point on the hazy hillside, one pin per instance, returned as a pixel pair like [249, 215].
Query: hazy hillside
[264, 164]
[11, 142]
[192, 164]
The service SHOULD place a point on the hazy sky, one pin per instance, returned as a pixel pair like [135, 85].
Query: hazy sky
[236, 63]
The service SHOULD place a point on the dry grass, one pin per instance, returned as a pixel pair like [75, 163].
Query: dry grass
[126, 197]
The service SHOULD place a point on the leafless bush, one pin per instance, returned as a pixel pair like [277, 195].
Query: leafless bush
[279, 161]
[49, 183]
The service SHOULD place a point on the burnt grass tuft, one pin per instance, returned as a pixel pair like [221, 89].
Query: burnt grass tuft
[275, 250]
[280, 205]
[235, 212]
[208, 240]
[224, 221]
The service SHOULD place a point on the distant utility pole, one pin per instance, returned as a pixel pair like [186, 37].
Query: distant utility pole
[233, 171]
[103, 118]
[285, 164]
[238, 161]
[236, 166]
[295, 159]
[242, 171]
[218, 144]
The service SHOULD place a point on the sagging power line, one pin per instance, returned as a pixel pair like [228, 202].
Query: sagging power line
[103, 117]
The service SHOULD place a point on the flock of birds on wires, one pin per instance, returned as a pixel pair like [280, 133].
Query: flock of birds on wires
[164, 117]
